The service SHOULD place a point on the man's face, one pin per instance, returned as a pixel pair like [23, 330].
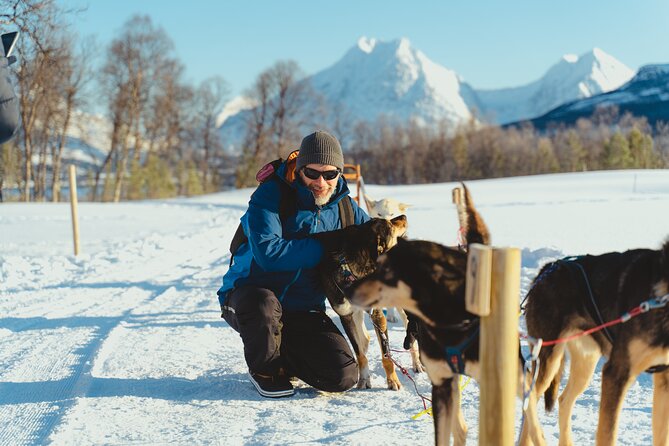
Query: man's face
[321, 188]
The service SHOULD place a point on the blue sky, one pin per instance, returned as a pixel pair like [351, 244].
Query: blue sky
[491, 44]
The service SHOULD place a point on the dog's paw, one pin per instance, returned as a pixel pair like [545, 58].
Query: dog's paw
[418, 368]
[394, 383]
[365, 383]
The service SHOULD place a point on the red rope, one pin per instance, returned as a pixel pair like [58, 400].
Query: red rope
[404, 371]
[624, 318]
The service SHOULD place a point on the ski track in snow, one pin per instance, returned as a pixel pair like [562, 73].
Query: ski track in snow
[125, 345]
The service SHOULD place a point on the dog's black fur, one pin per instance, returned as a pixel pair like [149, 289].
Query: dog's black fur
[560, 304]
[350, 254]
[428, 280]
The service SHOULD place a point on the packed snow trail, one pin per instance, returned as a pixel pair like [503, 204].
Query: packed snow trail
[124, 344]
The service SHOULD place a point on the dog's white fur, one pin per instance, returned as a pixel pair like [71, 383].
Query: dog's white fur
[385, 208]
[390, 208]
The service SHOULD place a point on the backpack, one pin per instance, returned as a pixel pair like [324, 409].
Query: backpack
[287, 204]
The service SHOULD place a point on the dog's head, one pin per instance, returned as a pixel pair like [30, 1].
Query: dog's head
[387, 208]
[424, 278]
[388, 231]
[351, 253]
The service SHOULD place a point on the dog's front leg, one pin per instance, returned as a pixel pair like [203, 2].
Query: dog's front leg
[416, 363]
[443, 411]
[354, 326]
[381, 329]
[458, 425]
[661, 408]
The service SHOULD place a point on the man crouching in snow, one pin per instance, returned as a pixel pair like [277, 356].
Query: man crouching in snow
[272, 294]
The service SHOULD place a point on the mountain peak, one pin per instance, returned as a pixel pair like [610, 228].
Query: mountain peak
[366, 44]
[570, 58]
[653, 71]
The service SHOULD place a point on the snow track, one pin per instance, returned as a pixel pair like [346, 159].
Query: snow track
[125, 345]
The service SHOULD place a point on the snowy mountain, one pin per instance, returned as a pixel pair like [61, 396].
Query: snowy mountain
[573, 77]
[395, 80]
[87, 140]
[377, 78]
[647, 94]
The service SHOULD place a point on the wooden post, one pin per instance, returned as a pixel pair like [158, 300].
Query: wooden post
[499, 351]
[461, 206]
[477, 284]
[74, 207]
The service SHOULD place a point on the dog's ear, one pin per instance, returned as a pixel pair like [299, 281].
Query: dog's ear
[369, 202]
[403, 207]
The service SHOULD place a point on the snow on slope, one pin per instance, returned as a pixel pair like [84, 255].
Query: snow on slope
[124, 344]
[393, 79]
[573, 77]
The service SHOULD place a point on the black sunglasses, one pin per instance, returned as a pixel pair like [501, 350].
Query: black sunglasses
[327, 175]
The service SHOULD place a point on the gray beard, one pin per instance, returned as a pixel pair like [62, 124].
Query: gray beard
[324, 200]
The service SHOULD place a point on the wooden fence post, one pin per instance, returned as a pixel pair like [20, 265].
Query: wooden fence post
[499, 351]
[458, 196]
[74, 207]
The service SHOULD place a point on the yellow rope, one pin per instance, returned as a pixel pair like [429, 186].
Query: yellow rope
[464, 381]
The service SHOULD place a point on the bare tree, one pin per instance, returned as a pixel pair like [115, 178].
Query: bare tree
[284, 103]
[130, 78]
[209, 99]
[39, 21]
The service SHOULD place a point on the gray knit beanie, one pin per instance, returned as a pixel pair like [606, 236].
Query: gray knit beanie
[320, 148]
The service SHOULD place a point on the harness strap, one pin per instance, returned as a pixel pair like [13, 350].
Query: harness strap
[346, 212]
[597, 315]
[454, 355]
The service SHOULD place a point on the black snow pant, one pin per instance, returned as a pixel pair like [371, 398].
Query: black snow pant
[306, 344]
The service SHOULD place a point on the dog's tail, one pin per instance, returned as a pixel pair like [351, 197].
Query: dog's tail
[477, 231]
[551, 394]
[665, 260]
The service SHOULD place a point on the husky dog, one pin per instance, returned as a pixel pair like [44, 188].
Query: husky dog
[428, 280]
[576, 294]
[386, 208]
[389, 208]
[350, 254]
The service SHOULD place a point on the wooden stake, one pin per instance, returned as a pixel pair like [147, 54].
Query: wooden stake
[499, 351]
[477, 284]
[459, 201]
[74, 207]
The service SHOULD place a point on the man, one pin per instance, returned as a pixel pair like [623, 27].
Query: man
[272, 294]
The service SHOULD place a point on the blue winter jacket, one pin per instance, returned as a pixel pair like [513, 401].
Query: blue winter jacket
[280, 256]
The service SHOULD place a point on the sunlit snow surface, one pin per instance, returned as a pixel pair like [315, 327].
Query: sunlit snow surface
[124, 344]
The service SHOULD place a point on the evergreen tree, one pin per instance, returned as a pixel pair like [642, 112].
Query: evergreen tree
[136, 182]
[641, 149]
[616, 154]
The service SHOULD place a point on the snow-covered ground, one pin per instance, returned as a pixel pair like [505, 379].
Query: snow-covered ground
[124, 344]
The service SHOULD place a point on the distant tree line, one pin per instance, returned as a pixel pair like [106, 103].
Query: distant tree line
[405, 154]
[163, 141]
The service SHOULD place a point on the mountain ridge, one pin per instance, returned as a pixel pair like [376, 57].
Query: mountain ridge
[393, 79]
